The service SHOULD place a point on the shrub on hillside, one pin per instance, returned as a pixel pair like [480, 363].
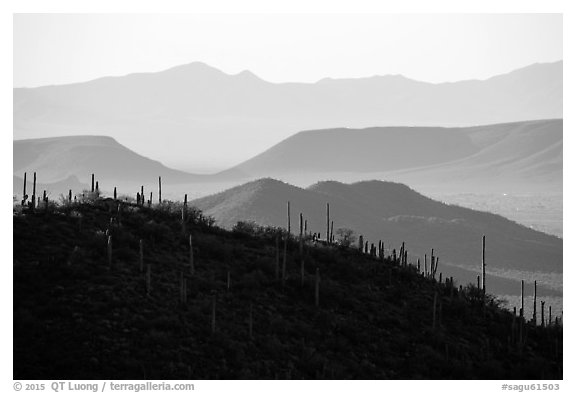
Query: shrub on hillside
[246, 227]
[87, 196]
[345, 236]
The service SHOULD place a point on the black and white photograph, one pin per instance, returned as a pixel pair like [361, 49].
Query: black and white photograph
[287, 196]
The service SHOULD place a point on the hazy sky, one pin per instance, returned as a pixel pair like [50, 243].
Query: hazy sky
[64, 48]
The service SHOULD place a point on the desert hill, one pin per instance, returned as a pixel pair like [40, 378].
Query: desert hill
[85, 310]
[394, 213]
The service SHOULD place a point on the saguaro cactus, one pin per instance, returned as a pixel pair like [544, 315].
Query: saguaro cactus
[69, 197]
[277, 264]
[361, 243]
[434, 311]
[92, 188]
[183, 289]
[301, 238]
[302, 271]
[440, 311]
[119, 215]
[141, 255]
[213, 319]
[191, 249]
[159, 190]
[284, 259]
[34, 192]
[184, 214]
[183, 220]
[522, 300]
[332, 232]
[73, 256]
[483, 265]
[142, 195]
[433, 265]
[534, 313]
[288, 214]
[109, 250]
[317, 288]
[327, 223]
[24, 196]
[542, 302]
[148, 279]
[115, 195]
[513, 330]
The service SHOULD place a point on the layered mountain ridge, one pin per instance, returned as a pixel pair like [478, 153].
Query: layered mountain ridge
[167, 114]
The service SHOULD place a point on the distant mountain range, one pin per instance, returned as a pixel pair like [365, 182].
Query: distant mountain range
[528, 153]
[395, 213]
[57, 160]
[164, 114]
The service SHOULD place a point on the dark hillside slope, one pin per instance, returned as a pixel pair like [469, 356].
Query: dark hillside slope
[394, 213]
[77, 316]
